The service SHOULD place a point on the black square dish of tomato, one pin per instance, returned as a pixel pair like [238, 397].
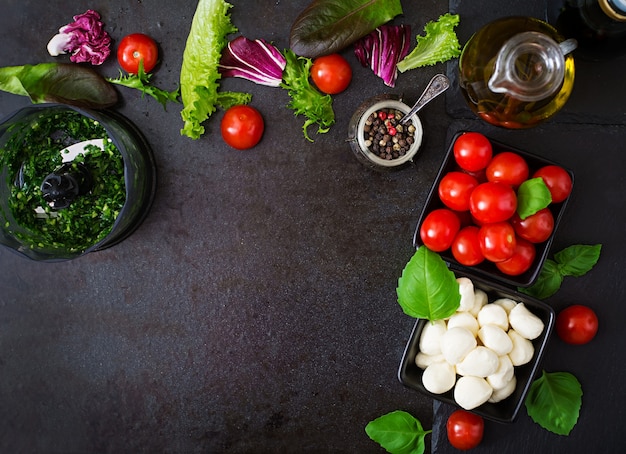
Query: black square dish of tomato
[487, 268]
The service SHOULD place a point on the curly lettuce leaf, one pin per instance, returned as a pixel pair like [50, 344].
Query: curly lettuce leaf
[141, 82]
[440, 44]
[199, 75]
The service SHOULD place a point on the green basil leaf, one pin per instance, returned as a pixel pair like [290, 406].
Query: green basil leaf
[577, 260]
[65, 83]
[547, 283]
[427, 288]
[327, 26]
[532, 195]
[398, 432]
[554, 401]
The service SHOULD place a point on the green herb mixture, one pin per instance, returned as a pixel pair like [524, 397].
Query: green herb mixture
[32, 153]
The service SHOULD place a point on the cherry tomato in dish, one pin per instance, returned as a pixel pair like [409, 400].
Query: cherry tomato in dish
[577, 324]
[493, 202]
[497, 241]
[558, 181]
[242, 127]
[466, 246]
[465, 429]
[507, 167]
[439, 228]
[455, 189]
[535, 228]
[331, 73]
[134, 48]
[521, 260]
[472, 151]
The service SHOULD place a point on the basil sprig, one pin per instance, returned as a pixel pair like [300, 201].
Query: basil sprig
[398, 432]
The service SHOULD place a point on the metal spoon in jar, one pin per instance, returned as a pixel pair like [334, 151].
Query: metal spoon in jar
[435, 87]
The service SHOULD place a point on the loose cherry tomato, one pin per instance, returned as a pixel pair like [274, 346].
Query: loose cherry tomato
[472, 151]
[465, 430]
[242, 127]
[521, 260]
[507, 167]
[577, 324]
[536, 228]
[331, 73]
[439, 228]
[134, 48]
[558, 181]
[466, 246]
[455, 189]
[493, 202]
[497, 241]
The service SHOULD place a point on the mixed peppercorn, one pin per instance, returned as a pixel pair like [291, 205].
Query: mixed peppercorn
[385, 136]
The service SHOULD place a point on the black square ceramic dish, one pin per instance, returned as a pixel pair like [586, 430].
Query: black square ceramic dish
[506, 410]
[487, 269]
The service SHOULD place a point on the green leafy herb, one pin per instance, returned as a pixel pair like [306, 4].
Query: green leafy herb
[305, 99]
[64, 83]
[328, 26]
[574, 261]
[554, 401]
[398, 432]
[440, 44]
[427, 288]
[199, 74]
[532, 195]
[141, 82]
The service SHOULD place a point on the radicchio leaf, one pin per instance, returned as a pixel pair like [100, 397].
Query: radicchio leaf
[382, 49]
[85, 39]
[256, 61]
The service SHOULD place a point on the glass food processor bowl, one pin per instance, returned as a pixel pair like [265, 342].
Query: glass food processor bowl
[72, 181]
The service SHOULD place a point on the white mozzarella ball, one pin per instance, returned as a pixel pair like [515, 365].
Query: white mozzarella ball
[506, 303]
[480, 362]
[464, 320]
[423, 360]
[439, 377]
[471, 392]
[431, 337]
[502, 393]
[496, 339]
[525, 322]
[493, 314]
[466, 289]
[523, 349]
[480, 299]
[456, 343]
[505, 373]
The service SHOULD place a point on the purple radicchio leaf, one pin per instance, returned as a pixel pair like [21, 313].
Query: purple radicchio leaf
[85, 39]
[382, 49]
[256, 61]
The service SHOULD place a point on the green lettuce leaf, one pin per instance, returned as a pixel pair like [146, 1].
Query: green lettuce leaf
[328, 26]
[398, 432]
[440, 44]
[141, 82]
[199, 75]
[427, 288]
[554, 401]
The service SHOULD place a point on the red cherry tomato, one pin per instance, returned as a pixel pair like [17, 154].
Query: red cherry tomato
[536, 228]
[521, 260]
[493, 202]
[439, 228]
[134, 48]
[242, 127]
[497, 241]
[558, 181]
[472, 151]
[465, 430]
[577, 324]
[455, 189]
[331, 73]
[507, 167]
[466, 246]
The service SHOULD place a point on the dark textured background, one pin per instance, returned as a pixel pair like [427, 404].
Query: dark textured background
[254, 310]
